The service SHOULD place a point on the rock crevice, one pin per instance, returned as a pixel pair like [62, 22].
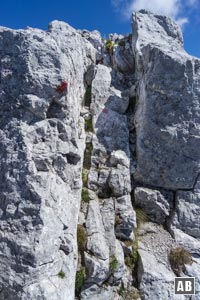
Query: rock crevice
[97, 136]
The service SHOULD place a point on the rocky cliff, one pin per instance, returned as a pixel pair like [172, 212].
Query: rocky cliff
[100, 163]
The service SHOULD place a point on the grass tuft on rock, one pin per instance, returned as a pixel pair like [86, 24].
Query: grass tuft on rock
[129, 294]
[81, 238]
[141, 216]
[132, 259]
[80, 279]
[178, 257]
[84, 177]
[85, 196]
[61, 274]
[88, 125]
[88, 96]
[113, 264]
[87, 156]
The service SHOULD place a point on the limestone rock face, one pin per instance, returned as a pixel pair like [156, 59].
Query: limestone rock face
[187, 216]
[95, 134]
[42, 145]
[154, 203]
[167, 138]
[167, 110]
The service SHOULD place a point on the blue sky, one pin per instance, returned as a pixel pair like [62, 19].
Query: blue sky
[107, 16]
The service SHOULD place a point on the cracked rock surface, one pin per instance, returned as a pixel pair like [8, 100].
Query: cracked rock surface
[99, 177]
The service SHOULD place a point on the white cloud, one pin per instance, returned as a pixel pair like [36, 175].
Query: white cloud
[167, 7]
[176, 9]
[182, 21]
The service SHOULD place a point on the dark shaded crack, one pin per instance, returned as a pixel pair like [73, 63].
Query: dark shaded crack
[49, 262]
[169, 220]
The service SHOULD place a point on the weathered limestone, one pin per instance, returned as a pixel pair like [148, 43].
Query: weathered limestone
[156, 204]
[122, 115]
[41, 157]
[156, 279]
[167, 110]
[187, 215]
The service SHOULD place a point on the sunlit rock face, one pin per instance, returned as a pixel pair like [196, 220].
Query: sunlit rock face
[99, 168]
[167, 112]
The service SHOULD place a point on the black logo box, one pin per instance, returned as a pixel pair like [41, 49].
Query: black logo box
[184, 285]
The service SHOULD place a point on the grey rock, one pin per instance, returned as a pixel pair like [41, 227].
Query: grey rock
[96, 232]
[156, 281]
[167, 135]
[189, 243]
[123, 58]
[154, 203]
[97, 269]
[44, 76]
[119, 181]
[187, 215]
[119, 157]
[194, 271]
[107, 207]
[41, 155]
[97, 293]
[119, 256]
[126, 218]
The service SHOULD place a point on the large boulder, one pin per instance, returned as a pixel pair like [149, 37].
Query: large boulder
[167, 111]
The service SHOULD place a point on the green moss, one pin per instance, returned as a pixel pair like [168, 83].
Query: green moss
[61, 274]
[178, 257]
[85, 197]
[113, 264]
[80, 278]
[81, 238]
[84, 177]
[87, 156]
[88, 96]
[88, 125]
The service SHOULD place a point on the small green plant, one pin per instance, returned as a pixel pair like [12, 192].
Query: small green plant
[178, 257]
[141, 216]
[85, 196]
[84, 177]
[80, 278]
[132, 260]
[88, 96]
[130, 294]
[128, 243]
[88, 125]
[61, 274]
[109, 46]
[87, 156]
[81, 238]
[121, 289]
[113, 265]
